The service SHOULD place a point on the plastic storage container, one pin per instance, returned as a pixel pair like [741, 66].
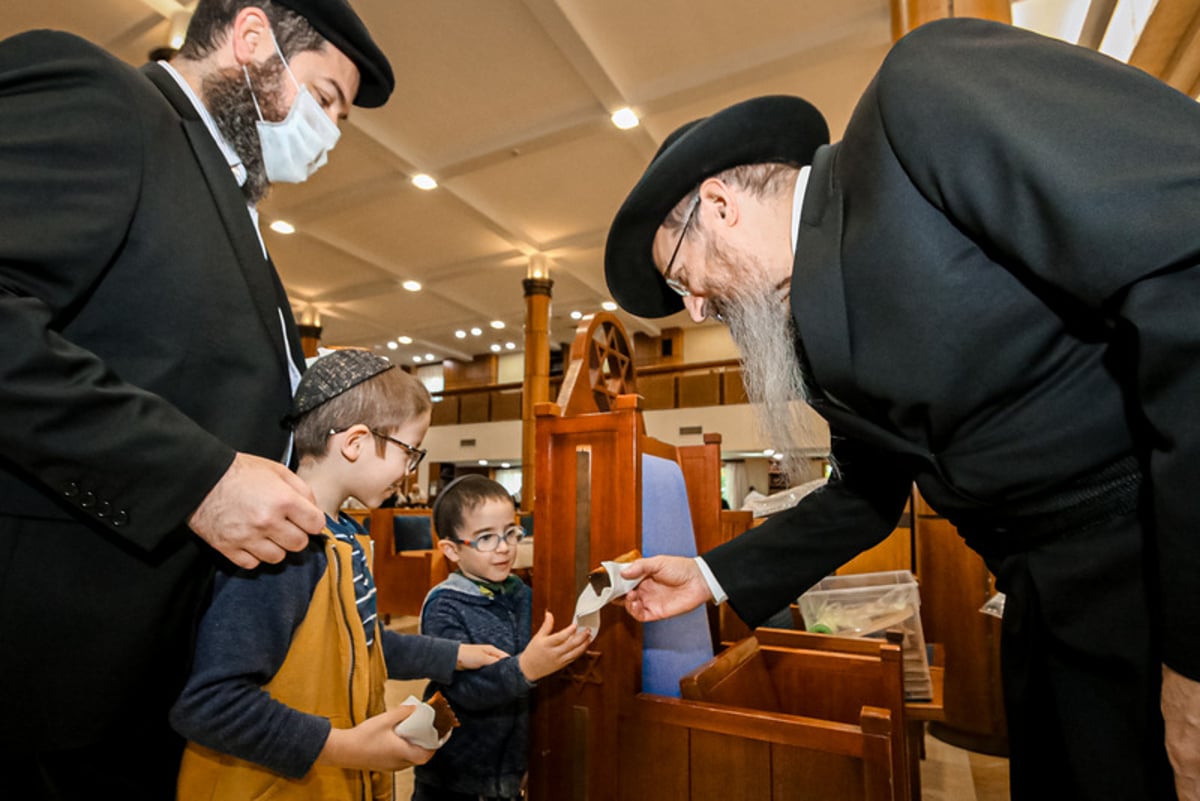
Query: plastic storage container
[869, 605]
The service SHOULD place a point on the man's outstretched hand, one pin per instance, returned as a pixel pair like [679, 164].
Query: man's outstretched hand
[670, 585]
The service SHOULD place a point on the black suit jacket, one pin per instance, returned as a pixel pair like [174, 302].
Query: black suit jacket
[996, 290]
[143, 346]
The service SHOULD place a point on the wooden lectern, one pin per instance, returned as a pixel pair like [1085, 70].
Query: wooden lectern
[611, 726]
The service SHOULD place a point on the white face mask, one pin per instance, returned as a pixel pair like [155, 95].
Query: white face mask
[299, 145]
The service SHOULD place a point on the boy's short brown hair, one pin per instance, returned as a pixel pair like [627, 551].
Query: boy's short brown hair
[459, 497]
[349, 387]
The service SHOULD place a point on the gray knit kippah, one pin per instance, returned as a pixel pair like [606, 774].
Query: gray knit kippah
[333, 374]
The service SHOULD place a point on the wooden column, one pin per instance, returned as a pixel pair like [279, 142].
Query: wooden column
[537, 366]
[310, 338]
[909, 14]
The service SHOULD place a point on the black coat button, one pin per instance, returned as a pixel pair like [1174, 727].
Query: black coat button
[88, 500]
[120, 518]
[71, 489]
[103, 509]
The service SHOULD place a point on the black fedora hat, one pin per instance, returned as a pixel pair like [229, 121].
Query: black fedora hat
[341, 26]
[774, 128]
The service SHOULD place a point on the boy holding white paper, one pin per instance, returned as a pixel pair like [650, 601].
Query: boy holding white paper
[286, 695]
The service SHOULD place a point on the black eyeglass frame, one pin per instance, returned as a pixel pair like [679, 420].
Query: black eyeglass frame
[674, 283]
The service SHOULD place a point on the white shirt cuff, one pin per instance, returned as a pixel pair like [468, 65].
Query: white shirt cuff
[714, 586]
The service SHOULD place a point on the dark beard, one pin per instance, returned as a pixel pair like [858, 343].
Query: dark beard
[760, 322]
[232, 107]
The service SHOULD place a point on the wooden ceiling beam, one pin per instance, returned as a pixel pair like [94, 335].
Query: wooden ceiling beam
[1169, 47]
[910, 14]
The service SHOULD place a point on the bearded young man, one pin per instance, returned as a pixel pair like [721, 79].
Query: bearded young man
[150, 356]
[989, 288]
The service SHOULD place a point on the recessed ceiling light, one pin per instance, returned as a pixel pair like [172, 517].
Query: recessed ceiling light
[497, 324]
[283, 227]
[495, 348]
[476, 331]
[392, 346]
[608, 305]
[576, 315]
[404, 340]
[483, 462]
[460, 334]
[423, 181]
[510, 346]
[505, 465]
[624, 118]
[430, 357]
[412, 286]
[417, 359]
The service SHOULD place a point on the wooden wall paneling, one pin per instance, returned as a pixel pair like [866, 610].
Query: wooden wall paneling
[726, 768]
[654, 762]
[955, 583]
[733, 390]
[700, 389]
[506, 405]
[658, 391]
[473, 407]
[802, 775]
[445, 411]
[480, 371]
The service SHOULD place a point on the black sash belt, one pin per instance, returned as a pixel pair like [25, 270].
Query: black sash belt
[1090, 500]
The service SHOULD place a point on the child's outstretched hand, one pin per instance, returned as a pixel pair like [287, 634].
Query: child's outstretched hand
[473, 657]
[547, 652]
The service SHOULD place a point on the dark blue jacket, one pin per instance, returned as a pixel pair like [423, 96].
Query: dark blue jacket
[488, 754]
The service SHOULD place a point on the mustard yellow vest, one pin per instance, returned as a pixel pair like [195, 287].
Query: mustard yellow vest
[328, 671]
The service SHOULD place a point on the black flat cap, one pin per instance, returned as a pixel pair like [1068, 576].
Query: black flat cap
[775, 128]
[337, 22]
[333, 374]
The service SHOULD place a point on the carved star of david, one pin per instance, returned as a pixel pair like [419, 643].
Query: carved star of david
[610, 366]
[585, 669]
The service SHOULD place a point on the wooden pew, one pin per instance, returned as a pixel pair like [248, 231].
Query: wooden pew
[403, 577]
[596, 734]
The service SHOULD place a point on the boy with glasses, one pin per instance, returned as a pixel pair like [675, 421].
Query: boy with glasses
[483, 602]
[286, 695]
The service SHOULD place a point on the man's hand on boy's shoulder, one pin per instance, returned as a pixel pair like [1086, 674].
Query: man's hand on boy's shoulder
[473, 657]
[550, 650]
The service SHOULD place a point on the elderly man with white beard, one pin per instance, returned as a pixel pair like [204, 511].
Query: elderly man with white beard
[988, 288]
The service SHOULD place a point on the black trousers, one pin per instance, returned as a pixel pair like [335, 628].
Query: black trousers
[128, 766]
[1081, 667]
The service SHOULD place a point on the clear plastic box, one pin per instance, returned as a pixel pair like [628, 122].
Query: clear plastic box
[869, 605]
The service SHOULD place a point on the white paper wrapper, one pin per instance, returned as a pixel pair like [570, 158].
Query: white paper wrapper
[418, 728]
[587, 608]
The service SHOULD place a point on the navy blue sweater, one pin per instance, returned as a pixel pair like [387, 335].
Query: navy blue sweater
[488, 754]
[244, 638]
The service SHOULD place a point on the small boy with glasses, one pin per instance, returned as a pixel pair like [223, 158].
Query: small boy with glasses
[483, 602]
[286, 694]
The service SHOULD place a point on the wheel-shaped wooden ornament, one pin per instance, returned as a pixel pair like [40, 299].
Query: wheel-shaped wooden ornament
[601, 366]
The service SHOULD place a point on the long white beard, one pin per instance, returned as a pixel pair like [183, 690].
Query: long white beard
[760, 322]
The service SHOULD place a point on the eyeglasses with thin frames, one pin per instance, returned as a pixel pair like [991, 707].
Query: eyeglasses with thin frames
[674, 283]
[490, 541]
[415, 455]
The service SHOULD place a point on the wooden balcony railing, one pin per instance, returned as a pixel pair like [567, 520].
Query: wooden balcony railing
[673, 386]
